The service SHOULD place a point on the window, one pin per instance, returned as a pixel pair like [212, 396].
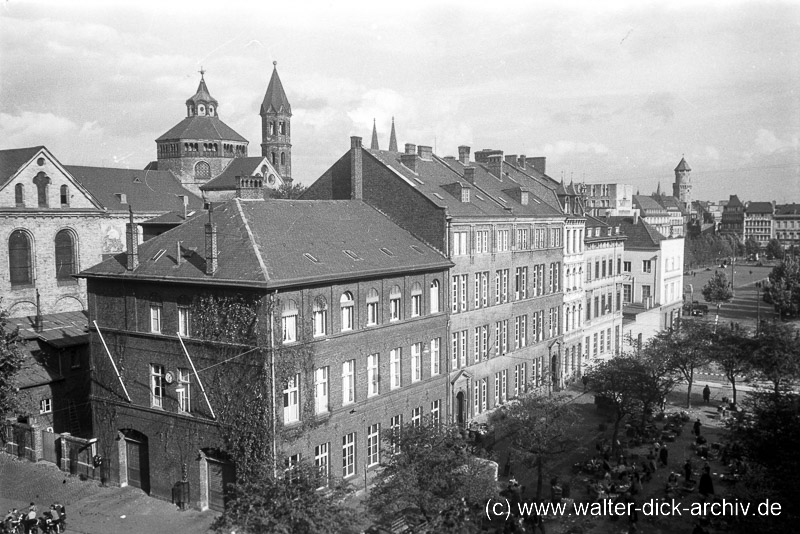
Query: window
[416, 362]
[291, 400]
[522, 239]
[462, 347]
[416, 300]
[395, 300]
[602, 341]
[520, 283]
[520, 328]
[626, 293]
[396, 424]
[647, 265]
[321, 390]
[19, 195]
[502, 241]
[202, 171]
[608, 340]
[484, 390]
[594, 344]
[459, 293]
[282, 128]
[459, 243]
[435, 356]
[349, 455]
[184, 324]
[504, 386]
[416, 416]
[436, 413]
[289, 322]
[155, 317]
[45, 406]
[519, 379]
[394, 368]
[372, 307]
[645, 292]
[42, 181]
[434, 296]
[19, 258]
[65, 255]
[320, 316]
[373, 444]
[346, 303]
[373, 380]
[348, 382]
[476, 398]
[184, 390]
[64, 196]
[321, 460]
[626, 266]
[481, 241]
[156, 385]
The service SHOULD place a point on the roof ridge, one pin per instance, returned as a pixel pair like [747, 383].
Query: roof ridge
[252, 240]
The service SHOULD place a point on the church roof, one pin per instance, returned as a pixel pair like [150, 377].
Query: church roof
[226, 181]
[275, 100]
[202, 94]
[280, 243]
[393, 139]
[683, 166]
[12, 159]
[202, 128]
[374, 144]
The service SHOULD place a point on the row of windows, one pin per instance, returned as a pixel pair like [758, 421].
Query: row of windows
[275, 158]
[420, 358]
[503, 391]
[603, 304]
[42, 193]
[158, 386]
[575, 240]
[603, 268]
[600, 342]
[282, 128]
[542, 238]
[21, 257]
[347, 316]
[459, 286]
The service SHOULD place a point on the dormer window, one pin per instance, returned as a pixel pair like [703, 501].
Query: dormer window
[465, 194]
[524, 198]
[201, 109]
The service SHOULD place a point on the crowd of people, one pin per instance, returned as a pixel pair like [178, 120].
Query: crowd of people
[53, 520]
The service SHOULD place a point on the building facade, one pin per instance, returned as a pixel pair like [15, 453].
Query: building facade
[758, 222]
[732, 221]
[787, 225]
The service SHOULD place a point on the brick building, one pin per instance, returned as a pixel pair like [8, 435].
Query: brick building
[502, 225]
[358, 348]
[732, 221]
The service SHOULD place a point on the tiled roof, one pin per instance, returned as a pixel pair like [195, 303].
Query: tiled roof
[58, 329]
[640, 235]
[172, 217]
[275, 100]
[226, 181]
[202, 128]
[146, 191]
[787, 209]
[279, 243]
[647, 204]
[33, 371]
[759, 207]
[734, 202]
[683, 166]
[12, 159]
[202, 94]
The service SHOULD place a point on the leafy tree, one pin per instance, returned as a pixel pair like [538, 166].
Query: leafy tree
[655, 381]
[685, 350]
[288, 190]
[538, 428]
[287, 505]
[717, 290]
[784, 288]
[732, 350]
[617, 382]
[774, 249]
[433, 473]
[777, 357]
[752, 246]
[11, 360]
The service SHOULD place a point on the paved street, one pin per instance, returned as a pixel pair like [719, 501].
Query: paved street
[91, 508]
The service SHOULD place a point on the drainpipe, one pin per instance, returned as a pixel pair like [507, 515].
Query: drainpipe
[272, 380]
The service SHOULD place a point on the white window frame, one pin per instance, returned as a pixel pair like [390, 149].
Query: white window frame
[373, 299]
[395, 368]
[460, 244]
[322, 461]
[435, 355]
[434, 296]
[348, 382]
[321, 390]
[289, 325]
[416, 305]
[436, 412]
[416, 416]
[291, 400]
[155, 318]
[373, 379]
[416, 362]
[184, 320]
[157, 385]
[320, 317]
[349, 455]
[373, 444]
[184, 390]
[46, 406]
[347, 307]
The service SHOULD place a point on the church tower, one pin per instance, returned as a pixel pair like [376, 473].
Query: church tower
[682, 188]
[276, 133]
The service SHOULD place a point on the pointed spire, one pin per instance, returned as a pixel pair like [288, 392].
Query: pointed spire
[202, 97]
[683, 166]
[393, 139]
[658, 189]
[374, 144]
[275, 100]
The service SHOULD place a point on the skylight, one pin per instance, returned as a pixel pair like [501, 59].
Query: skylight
[417, 249]
[420, 182]
[437, 195]
[501, 199]
[352, 255]
[479, 197]
[311, 258]
[159, 254]
[387, 251]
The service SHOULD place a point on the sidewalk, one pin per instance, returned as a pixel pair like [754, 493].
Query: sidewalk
[91, 508]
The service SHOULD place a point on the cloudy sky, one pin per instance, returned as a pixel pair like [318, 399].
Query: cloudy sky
[617, 93]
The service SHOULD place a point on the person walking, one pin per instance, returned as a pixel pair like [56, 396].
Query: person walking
[697, 428]
[706, 487]
[706, 394]
[663, 455]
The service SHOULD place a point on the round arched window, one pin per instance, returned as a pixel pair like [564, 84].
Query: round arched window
[201, 109]
[202, 170]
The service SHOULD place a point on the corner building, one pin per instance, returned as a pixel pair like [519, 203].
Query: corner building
[504, 235]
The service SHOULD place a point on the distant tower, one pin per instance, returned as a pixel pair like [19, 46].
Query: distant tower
[374, 144]
[276, 132]
[682, 188]
[393, 139]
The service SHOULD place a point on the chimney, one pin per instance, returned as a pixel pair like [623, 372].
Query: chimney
[183, 205]
[250, 187]
[469, 174]
[463, 155]
[512, 159]
[211, 243]
[131, 242]
[538, 164]
[495, 164]
[425, 152]
[635, 217]
[521, 162]
[356, 170]
[178, 251]
[409, 159]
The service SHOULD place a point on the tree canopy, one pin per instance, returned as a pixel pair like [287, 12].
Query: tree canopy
[11, 360]
[774, 249]
[684, 350]
[784, 288]
[288, 190]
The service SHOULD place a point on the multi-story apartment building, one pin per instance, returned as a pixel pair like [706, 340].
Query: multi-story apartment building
[603, 284]
[758, 222]
[325, 319]
[612, 198]
[504, 234]
[787, 225]
[732, 221]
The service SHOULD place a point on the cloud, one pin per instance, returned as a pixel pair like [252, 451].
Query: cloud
[565, 148]
[29, 128]
[661, 105]
[767, 142]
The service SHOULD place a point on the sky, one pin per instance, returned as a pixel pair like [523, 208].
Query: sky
[615, 92]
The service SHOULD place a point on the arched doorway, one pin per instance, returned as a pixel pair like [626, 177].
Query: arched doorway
[134, 459]
[460, 406]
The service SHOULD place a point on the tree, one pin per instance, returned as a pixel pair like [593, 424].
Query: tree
[717, 290]
[777, 357]
[11, 360]
[752, 246]
[685, 350]
[784, 288]
[288, 190]
[654, 383]
[774, 249]
[617, 382]
[538, 428]
[432, 473]
[732, 350]
[286, 505]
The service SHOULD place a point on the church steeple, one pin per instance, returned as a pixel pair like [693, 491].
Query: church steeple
[374, 144]
[393, 139]
[202, 104]
[276, 136]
